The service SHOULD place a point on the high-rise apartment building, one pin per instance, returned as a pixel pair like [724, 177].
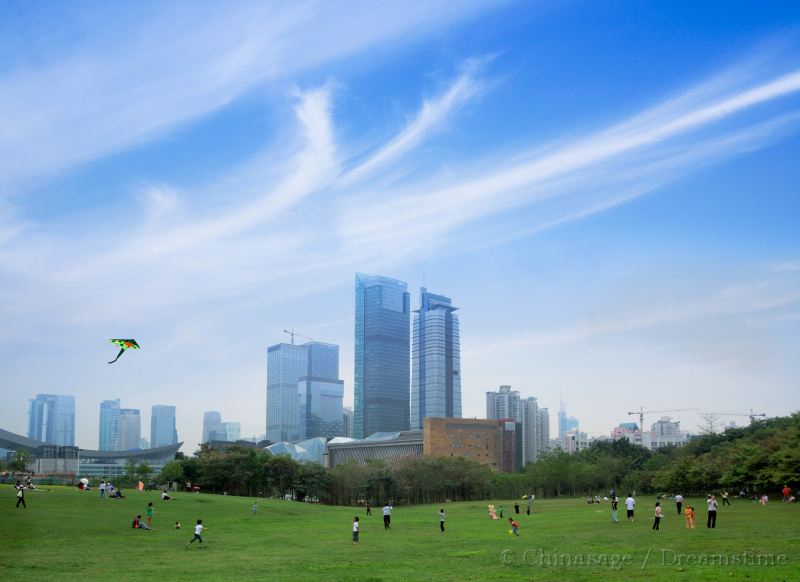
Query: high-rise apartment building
[435, 360]
[382, 358]
[129, 429]
[51, 418]
[211, 421]
[162, 426]
[109, 416]
[503, 404]
[506, 403]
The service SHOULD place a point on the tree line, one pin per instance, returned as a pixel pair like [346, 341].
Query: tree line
[759, 458]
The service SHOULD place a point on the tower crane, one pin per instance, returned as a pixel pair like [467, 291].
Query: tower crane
[752, 415]
[292, 333]
[641, 412]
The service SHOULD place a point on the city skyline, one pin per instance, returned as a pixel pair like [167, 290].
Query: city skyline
[610, 197]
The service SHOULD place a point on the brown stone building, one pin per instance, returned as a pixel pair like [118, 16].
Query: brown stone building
[477, 439]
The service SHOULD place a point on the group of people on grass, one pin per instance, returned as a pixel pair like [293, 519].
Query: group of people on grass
[688, 512]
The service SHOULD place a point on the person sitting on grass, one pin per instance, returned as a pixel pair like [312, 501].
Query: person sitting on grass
[165, 496]
[139, 524]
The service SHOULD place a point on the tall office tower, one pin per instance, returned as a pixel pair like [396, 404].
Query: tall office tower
[382, 349]
[529, 409]
[320, 393]
[347, 422]
[51, 418]
[144, 444]
[129, 429]
[544, 430]
[435, 360]
[565, 423]
[109, 414]
[286, 363]
[162, 426]
[503, 404]
[211, 421]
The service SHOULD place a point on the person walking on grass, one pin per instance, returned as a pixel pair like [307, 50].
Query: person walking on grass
[630, 503]
[21, 496]
[150, 511]
[614, 504]
[711, 522]
[441, 520]
[387, 515]
[516, 508]
[355, 530]
[369, 509]
[657, 517]
[198, 534]
[501, 512]
[725, 499]
[679, 503]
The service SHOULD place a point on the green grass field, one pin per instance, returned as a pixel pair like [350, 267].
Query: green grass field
[67, 534]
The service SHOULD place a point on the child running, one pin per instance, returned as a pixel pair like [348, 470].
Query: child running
[198, 534]
[355, 530]
[514, 526]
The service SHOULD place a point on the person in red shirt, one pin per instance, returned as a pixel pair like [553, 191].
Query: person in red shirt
[787, 492]
[514, 526]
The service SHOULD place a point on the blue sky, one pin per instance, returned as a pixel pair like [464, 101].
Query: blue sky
[608, 191]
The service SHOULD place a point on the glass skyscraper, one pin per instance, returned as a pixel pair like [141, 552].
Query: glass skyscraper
[162, 426]
[304, 392]
[51, 418]
[435, 360]
[211, 423]
[286, 363]
[129, 429]
[381, 356]
[320, 393]
[109, 415]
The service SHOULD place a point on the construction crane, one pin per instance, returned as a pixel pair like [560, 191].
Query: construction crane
[641, 412]
[752, 415]
[292, 333]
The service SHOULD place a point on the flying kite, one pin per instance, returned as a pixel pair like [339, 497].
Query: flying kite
[125, 344]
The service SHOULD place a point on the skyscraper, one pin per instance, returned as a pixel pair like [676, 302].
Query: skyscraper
[162, 426]
[565, 423]
[544, 430]
[347, 422]
[51, 418]
[129, 429]
[211, 422]
[435, 360]
[109, 415]
[320, 393]
[382, 348]
[286, 363]
[228, 431]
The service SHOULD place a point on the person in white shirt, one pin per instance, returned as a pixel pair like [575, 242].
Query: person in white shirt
[630, 503]
[355, 530]
[387, 515]
[102, 488]
[198, 533]
[712, 512]
[679, 503]
[658, 516]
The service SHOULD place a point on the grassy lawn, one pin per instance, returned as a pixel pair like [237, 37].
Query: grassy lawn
[67, 534]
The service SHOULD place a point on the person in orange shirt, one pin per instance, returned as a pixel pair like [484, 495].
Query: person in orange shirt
[787, 492]
[689, 514]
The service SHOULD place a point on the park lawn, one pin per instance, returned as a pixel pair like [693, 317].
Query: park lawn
[67, 534]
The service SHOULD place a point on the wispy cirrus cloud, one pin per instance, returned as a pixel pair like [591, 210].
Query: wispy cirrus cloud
[115, 87]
